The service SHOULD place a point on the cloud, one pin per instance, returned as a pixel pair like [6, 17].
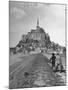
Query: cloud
[17, 12]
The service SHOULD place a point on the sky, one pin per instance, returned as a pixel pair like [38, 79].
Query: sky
[23, 17]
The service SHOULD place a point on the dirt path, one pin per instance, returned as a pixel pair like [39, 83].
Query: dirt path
[39, 74]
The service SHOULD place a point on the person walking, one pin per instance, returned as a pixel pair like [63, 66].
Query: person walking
[59, 63]
[52, 60]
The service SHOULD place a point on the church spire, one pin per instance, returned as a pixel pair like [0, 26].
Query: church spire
[37, 23]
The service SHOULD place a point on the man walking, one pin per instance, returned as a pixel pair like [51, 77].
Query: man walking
[52, 60]
[59, 63]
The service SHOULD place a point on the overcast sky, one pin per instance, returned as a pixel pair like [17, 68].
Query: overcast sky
[23, 17]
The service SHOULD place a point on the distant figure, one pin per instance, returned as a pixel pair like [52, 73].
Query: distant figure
[59, 63]
[52, 60]
[41, 51]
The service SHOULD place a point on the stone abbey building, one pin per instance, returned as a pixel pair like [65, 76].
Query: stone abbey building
[36, 38]
[37, 34]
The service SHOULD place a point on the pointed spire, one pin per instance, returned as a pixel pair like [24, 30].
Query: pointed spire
[37, 22]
